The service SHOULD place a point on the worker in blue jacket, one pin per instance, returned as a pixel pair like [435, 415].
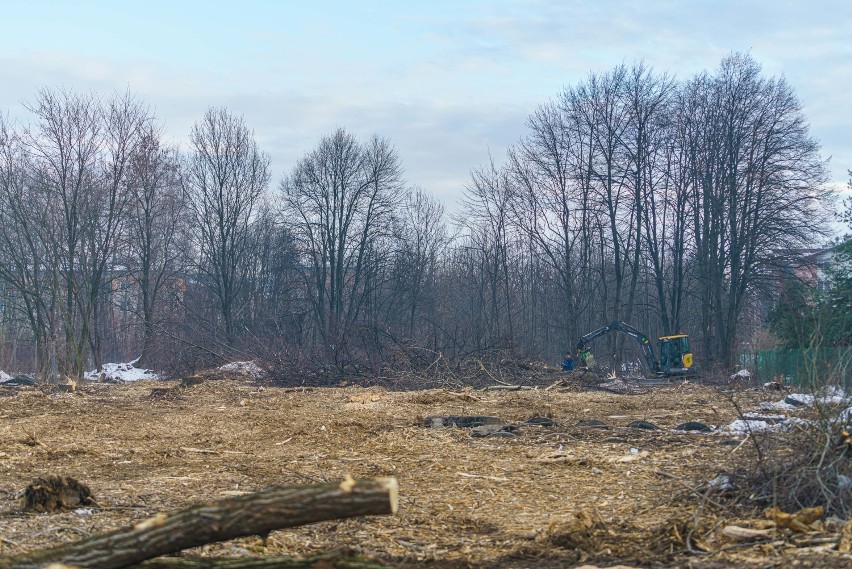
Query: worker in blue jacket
[568, 362]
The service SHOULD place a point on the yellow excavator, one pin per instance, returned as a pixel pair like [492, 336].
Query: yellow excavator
[675, 356]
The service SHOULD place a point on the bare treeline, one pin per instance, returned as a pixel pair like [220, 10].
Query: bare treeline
[635, 197]
[632, 196]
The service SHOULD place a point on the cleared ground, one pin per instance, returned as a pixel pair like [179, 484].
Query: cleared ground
[553, 496]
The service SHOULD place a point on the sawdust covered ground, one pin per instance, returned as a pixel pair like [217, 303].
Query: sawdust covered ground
[553, 496]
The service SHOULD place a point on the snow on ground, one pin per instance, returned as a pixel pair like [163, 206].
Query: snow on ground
[753, 423]
[771, 419]
[776, 406]
[742, 374]
[800, 399]
[746, 426]
[121, 372]
[248, 368]
[834, 395]
[831, 395]
[721, 483]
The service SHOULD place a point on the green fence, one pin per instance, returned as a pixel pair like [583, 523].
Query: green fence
[804, 367]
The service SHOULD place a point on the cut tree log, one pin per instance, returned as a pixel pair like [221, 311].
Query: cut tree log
[275, 508]
[335, 560]
[738, 533]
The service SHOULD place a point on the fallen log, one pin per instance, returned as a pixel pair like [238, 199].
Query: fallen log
[333, 560]
[275, 508]
[738, 533]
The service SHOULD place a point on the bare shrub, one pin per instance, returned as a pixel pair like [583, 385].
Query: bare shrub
[809, 466]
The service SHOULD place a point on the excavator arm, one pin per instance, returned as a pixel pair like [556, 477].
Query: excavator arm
[624, 328]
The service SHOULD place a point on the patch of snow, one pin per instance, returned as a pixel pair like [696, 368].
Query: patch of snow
[833, 395]
[830, 395]
[833, 391]
[763, 417]
[4, 377]
[845, 400]
[797, 421]
[83, 511]
[248, 368]
[776, 406]
[799, 399]
[745, 426]
[742, 374]
[721, 482]
[121, 372]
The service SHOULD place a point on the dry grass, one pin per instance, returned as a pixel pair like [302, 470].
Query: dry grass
[552, 496]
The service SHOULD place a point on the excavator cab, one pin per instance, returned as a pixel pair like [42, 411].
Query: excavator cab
[675, 356]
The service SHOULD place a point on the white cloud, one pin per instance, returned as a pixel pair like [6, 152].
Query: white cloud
[450, 84]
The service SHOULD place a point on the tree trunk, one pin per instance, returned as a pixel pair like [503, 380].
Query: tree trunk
[253, 514]
[335, 560]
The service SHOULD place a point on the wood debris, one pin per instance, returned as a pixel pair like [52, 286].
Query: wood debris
[464, 501]
[53, 493]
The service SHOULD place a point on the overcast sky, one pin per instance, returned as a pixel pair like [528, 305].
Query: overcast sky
[448, 82]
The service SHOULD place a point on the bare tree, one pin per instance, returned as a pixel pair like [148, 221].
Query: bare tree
[489, 230]
[422, 241]
[647, 96]
[275, 309]
[758, 189]
[605, 94]
[667, 212]
[339, 200]
[226, 177]
[27, 258]
[157, 215]
[77, 161]
[546, 208]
